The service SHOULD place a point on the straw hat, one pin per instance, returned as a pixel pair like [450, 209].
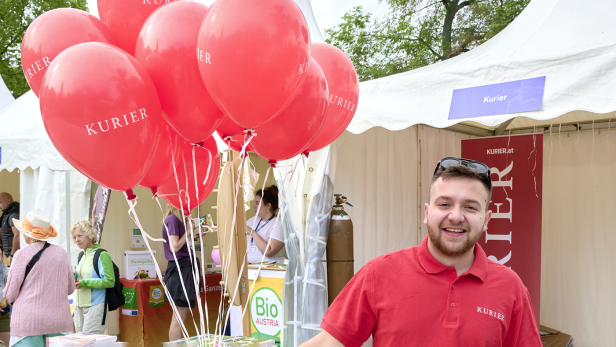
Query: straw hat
[36, 225]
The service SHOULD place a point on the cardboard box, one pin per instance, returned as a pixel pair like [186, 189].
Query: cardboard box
[139, 265]
[554, 338]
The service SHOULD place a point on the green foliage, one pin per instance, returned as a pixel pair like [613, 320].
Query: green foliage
[417, 33]
[15, 17]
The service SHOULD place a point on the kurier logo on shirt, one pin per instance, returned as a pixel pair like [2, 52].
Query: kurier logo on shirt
[491, 313]
[266, 311]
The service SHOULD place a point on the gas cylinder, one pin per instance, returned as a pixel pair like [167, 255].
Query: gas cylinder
[339, 249]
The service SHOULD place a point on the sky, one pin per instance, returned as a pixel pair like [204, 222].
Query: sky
[328, 13]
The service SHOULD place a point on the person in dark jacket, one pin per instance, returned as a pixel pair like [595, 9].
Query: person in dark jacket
[8, 231]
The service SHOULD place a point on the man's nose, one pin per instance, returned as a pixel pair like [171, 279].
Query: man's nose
[456, 215]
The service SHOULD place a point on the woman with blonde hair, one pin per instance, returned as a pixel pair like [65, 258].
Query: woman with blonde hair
[91, 285]
[175, 235]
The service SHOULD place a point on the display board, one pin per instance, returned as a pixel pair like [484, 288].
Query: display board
[514, 232]
[266, 308]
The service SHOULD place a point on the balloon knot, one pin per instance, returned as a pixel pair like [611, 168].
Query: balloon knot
[186, 213]
[273, 163]
[305, 153]
[250, 132]
[198, 144]
[130, 195]
[227, 138]
[154, 192]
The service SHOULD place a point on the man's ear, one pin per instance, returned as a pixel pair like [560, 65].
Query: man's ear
[488, 217]
[426, 213]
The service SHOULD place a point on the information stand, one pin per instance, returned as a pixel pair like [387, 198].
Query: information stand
[145, 318]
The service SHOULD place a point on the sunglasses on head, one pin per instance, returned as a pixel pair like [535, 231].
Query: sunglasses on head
[474, 165]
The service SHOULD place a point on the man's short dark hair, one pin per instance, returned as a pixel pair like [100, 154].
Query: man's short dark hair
[462, 171]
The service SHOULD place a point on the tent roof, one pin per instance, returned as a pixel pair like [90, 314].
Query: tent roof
[5, 95]
[23, 138]
[572, 43]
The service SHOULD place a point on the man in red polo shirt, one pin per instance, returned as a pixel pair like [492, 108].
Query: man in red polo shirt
[444, 292]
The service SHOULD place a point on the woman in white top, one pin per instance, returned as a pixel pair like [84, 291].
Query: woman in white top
[266, 227]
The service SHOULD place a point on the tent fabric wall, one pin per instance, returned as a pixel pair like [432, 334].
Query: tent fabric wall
[386, 176]
[578, 236]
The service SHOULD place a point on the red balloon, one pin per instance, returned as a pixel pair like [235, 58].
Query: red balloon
[343, 92]
[169, 57]
[161, 169]
[102, 113]
[253, 57]
[228, 128]
[53, 32]
[126, 17]
[186, 179]
[292, 131]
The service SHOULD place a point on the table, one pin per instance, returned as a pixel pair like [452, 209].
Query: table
[145, 318]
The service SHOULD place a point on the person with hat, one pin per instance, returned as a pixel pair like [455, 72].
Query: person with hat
[40, 295]
[91, 285]
[444, 292]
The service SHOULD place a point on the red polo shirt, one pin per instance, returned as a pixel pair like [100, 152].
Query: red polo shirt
[408, 298]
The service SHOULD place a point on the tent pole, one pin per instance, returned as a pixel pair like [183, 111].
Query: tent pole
[67, 179]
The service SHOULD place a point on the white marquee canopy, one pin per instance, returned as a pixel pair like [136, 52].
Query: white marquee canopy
[570, 42]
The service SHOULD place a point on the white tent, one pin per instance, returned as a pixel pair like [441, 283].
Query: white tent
[47, 182]
[5, 95]
[386, 173]
[573, 44]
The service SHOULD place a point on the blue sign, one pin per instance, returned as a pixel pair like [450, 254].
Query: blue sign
[500, 98]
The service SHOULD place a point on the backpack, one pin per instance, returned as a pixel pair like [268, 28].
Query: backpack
[114, 298]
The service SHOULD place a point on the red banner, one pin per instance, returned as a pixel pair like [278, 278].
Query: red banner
[514, 232]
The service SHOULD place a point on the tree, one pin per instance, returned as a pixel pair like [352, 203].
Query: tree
[15, 17]
[417, 33]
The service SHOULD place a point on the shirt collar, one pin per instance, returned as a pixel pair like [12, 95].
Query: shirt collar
[479, 268]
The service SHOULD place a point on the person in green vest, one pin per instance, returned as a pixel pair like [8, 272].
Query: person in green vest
[90, 293]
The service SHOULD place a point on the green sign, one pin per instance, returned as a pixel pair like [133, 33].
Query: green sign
[130, 296]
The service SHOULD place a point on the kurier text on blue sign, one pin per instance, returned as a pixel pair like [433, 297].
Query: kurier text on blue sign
[501, 98]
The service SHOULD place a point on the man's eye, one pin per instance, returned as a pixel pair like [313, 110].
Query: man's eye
[472, 208]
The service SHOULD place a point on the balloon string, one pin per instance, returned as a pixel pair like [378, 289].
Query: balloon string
[237, 186]
[228, 260]
[192, 244]
[177, 182]
[268, 240]
[133, 215]
[285, 188]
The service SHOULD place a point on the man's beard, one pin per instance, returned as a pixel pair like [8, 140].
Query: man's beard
[437, 241]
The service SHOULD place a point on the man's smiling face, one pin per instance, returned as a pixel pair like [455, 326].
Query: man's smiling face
[456, 215]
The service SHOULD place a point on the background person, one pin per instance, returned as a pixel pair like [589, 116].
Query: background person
[40, 302]
[91, 288]
[174, 224]
[444, 292]
[266, 227]
[8, 232]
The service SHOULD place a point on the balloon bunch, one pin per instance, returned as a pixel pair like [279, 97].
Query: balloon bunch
[133, 98]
